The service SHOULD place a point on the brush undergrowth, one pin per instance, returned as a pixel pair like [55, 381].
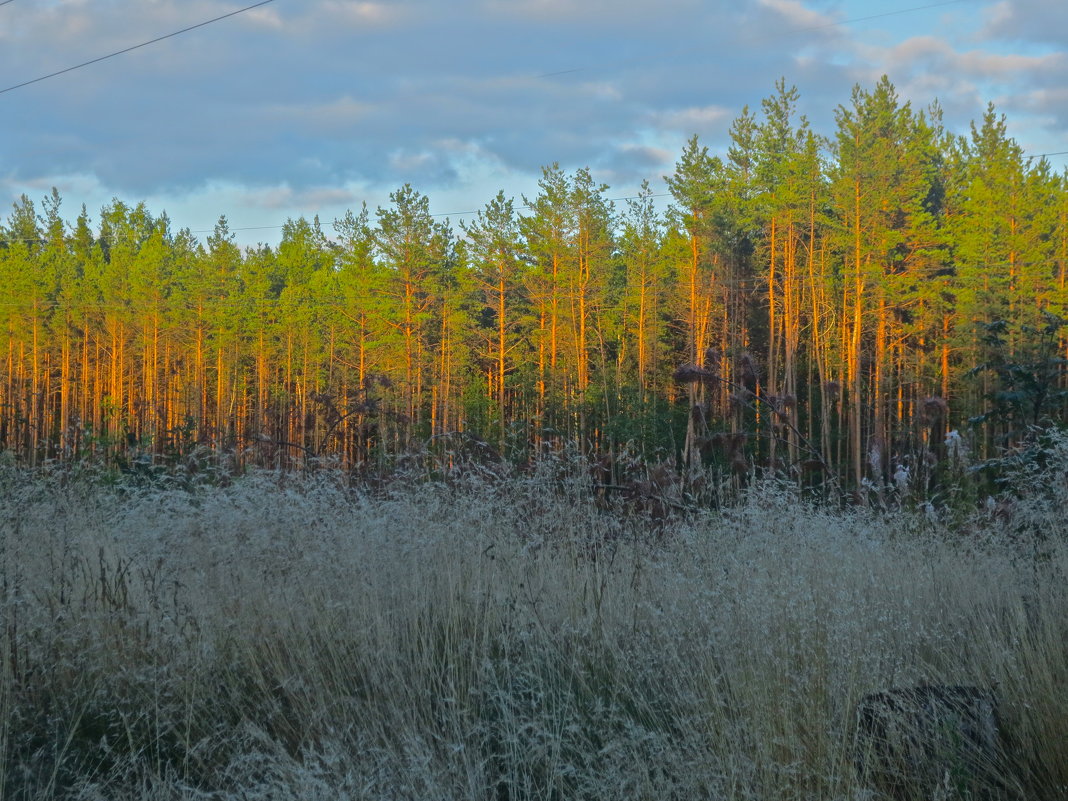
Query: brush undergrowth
[288, 637]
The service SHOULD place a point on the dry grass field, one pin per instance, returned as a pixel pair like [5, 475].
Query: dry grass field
[291, 637]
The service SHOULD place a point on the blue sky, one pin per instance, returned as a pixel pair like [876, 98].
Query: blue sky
[313, 107]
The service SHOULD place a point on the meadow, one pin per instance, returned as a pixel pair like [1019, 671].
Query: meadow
[504, 635]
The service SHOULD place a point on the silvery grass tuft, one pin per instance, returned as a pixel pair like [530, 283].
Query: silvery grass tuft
[289, 637]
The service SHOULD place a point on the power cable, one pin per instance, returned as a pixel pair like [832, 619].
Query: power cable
[836, 24]
[883, 14]
[134, 47]
[439, 214]
[561, 72]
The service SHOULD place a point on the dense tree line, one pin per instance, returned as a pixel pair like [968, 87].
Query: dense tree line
[809, 304]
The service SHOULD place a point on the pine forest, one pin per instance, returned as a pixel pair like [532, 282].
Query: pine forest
[843, 309]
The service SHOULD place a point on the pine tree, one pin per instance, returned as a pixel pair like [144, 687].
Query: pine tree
[413, 246]
[495, 253]
[548, 232]
[363, 304]
[881, 186]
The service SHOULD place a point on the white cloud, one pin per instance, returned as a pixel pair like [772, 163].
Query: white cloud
[797, 14]
[995, 65]
[266, 17]
[351, 98]
[646, 155]
[606, 12]
[37, 186]
[411, 162]
[1039, 21]
[283, 197]
[361, 13]
[1051, 101]
[694, 120]
[928, 64]
[335, 115]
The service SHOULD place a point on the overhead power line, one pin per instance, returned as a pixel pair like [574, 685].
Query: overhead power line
[884, 14]
[317, 214]
[134, 47]
[439, 214]
[835, 24]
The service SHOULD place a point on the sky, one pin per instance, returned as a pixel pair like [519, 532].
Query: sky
[313, 107]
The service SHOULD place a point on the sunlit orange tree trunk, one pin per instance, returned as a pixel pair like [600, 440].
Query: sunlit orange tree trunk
[695, 184]
[547, 232]
[881, 188]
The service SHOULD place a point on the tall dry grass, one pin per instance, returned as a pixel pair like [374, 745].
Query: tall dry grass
[501, 639]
